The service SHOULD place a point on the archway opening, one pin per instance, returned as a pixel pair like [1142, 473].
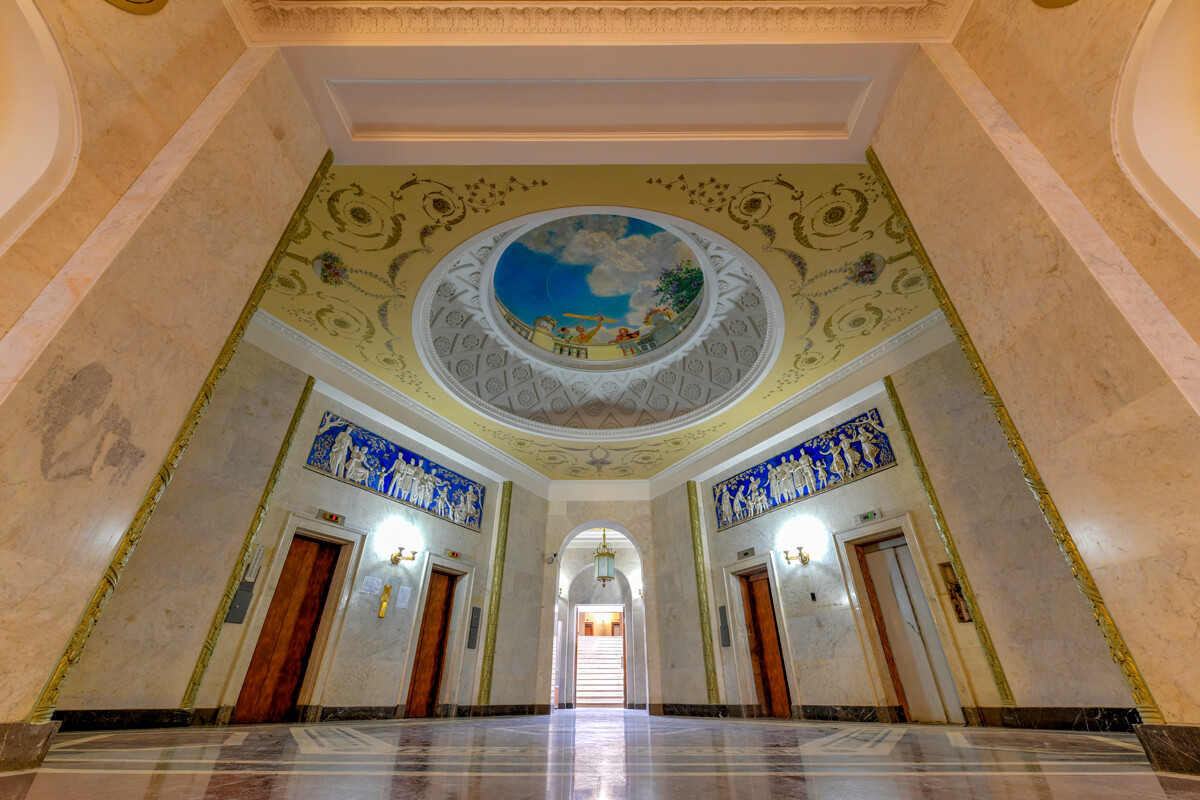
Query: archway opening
[599, 629]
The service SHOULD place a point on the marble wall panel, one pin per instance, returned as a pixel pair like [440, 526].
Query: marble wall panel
[523, 606]
[829, 663]
[138, 79]
[1052, 651]
[370, 654]
[1109, 432]
[100, 407]
[674, 604]
[144, 647]
[1056, 71]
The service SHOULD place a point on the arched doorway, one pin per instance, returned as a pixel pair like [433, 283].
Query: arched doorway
[599, 628]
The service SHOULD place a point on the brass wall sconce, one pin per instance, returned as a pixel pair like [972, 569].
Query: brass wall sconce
[399, 556]
[800, 556]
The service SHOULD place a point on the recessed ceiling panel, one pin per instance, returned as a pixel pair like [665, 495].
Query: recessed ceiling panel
[599, 110]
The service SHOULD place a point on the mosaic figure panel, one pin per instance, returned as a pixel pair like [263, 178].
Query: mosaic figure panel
[352, 454]
[855, 449]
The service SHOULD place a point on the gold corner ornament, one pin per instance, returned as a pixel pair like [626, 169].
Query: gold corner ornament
[939, 518]
[243, 559]
[1121, 655]
[497, 576]
[140, 6]
[47, 701]
[706, 640]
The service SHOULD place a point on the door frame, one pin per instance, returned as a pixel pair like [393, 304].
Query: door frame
[450, 689]
[337, 599]
[580, 609]
[900, 525]
[739, 636]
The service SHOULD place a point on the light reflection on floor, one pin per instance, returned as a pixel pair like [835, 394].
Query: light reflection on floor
[597, 755]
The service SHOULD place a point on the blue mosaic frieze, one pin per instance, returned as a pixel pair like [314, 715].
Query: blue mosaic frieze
[354, 455]
[855, 449]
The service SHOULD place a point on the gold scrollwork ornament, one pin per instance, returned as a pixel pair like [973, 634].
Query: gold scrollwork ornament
[140, 6]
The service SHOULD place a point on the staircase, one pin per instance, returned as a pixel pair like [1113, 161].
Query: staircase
[599, 673]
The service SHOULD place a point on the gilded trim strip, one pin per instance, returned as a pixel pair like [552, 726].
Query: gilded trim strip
[493, 620]
[43, 709]
[1117, 648]
[710, 661]
[140, 6]
[243, 559]
[985, 638]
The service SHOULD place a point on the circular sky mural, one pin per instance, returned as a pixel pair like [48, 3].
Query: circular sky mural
[598, 286]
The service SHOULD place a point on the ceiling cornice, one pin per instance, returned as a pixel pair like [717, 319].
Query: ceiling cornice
[310, 22]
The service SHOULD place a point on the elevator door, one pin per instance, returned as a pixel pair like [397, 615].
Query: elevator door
[431, 647]
[280, 658]
[907, 628]
[766, 656]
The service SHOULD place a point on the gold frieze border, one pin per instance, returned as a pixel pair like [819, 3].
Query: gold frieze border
[497, 577]
[985, 638]
[700, 21]
[243, 559]
[706, 639]
[47, 701]
[1121, 655]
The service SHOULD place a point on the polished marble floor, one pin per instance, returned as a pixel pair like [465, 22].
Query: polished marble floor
[597, 755]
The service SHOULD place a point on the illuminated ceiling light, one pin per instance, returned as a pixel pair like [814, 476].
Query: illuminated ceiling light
[605, 560]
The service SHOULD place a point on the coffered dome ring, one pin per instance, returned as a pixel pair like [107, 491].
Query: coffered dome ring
[469, 349]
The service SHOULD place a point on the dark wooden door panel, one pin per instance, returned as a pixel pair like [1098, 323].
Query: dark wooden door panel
[286, 640]
[766, 654]
[431, 647]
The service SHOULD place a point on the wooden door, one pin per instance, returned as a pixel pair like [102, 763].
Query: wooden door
[587, 628]
[281, 656]
[766, 656]
[431, 646]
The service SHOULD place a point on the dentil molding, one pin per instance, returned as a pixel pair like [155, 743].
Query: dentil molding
[308, 22]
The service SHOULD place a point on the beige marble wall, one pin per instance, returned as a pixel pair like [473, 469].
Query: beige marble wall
[1056, 71]
[1052, 651]
[99, 408]
[524, 604]
[1113, 438]
[370, 655]
[674, 606]
[829, 663]
[143, 650]
[138, 78]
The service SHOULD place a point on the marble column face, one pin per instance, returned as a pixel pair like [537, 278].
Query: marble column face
[1113, 438]
[1056, 74]
[87, 427]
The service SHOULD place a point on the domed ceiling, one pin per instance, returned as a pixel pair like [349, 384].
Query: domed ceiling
[599, 322]
[679, 329]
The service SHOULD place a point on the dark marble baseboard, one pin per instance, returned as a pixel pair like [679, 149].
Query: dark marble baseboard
[1171, 748]
[511, 710]
[852, 713]
[23, 745]
[1055, 718]
[745, 711]
[694, 710]
[115, 719]
[352, 713]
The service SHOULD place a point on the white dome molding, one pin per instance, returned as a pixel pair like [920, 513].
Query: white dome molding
[726, 356]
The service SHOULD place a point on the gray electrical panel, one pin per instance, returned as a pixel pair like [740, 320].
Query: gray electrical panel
[724, 627]
[473, 633]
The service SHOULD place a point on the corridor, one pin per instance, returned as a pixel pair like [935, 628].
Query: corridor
[594, 754]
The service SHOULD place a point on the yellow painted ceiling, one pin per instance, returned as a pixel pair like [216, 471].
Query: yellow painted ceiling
[824, 234]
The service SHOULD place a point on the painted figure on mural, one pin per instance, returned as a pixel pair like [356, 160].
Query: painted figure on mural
[865, 439]
[442, 504]
[806, 467]
[356, 470]
[739, 504]
[338, 451]
[821, 475]
[470, 503]
[725, 505]
[849, 455]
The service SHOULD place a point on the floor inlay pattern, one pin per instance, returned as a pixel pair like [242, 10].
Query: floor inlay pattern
[597, 755]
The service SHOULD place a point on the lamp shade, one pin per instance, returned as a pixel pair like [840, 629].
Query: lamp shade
[605, 561]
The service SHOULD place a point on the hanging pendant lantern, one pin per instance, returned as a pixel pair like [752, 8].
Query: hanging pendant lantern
[605, 560]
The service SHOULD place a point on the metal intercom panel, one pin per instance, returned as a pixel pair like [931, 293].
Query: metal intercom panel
[473, 633]
[724, 628]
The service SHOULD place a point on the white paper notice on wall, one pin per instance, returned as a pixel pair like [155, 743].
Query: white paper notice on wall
[402, 595]
[371, 585]
[255, 563]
